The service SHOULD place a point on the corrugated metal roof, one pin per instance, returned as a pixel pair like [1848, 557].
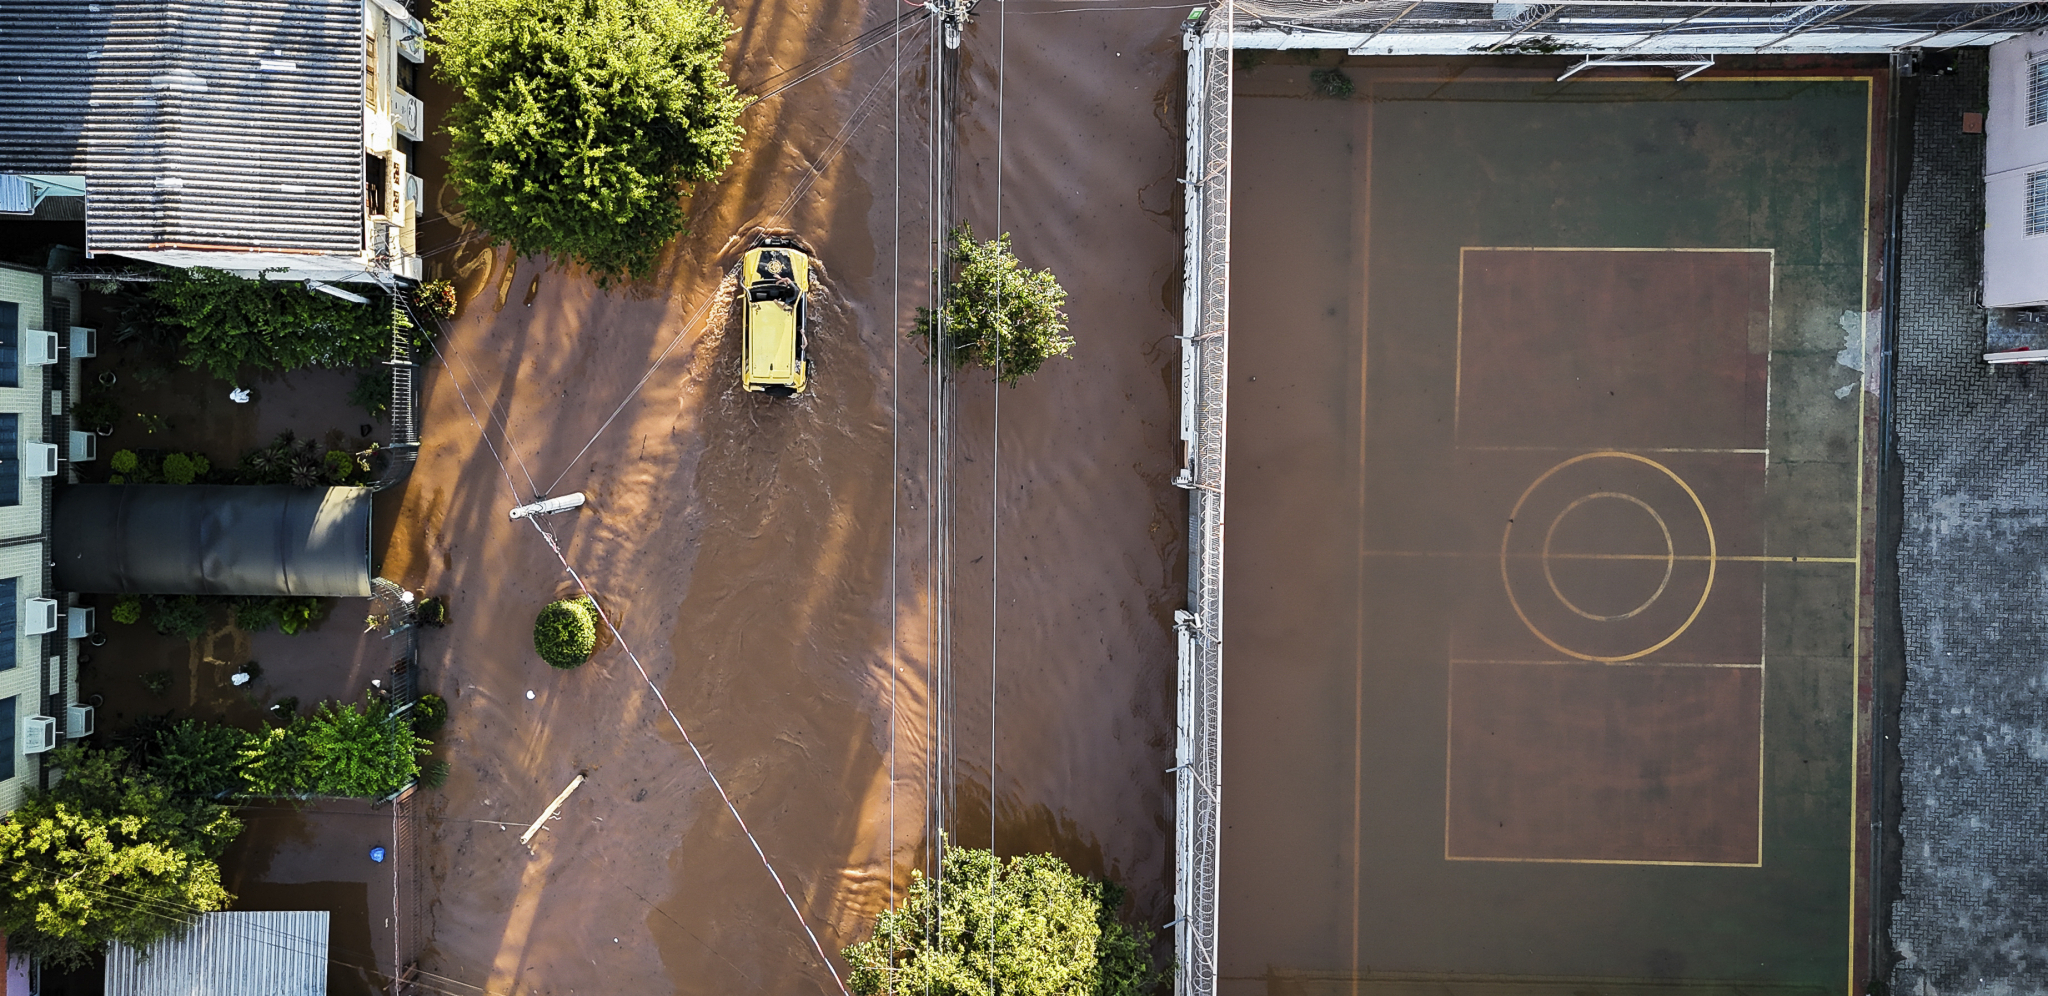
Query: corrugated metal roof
[212, 539]
[228, 954]
[235, 124]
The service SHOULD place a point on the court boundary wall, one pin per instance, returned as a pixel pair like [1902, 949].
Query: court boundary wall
[1686, 33]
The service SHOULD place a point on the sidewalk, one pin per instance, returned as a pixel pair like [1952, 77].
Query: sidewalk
[1972, 915]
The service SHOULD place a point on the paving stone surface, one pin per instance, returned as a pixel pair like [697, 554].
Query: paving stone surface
[1972, 917]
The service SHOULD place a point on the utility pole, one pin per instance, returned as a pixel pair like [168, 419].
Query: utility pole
[952, 15]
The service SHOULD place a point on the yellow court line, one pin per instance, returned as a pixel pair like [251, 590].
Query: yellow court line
[1609, 861]
[1546, 78]
[1635, 663]
[1862, 460]
[1362, 234]
[1611, 249]
[1619, 449]
[1702, 558]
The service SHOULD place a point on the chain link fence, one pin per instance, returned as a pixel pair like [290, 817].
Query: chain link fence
[1204, 374]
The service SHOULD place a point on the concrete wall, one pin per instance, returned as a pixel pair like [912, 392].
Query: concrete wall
[2015, 264]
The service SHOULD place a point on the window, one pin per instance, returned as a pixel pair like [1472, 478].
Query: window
[370, 70]
[8, 723]
[10, 622]
[2037, 91]
[10, 458]
[10, 344]
[2037, 203]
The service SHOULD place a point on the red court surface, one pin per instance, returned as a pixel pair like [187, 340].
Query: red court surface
[1592, 762]
[1614, 348]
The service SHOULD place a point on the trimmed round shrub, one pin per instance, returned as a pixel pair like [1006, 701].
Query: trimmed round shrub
[178, 468]
[565, 632]
[124, 462]
[429, 713]
[128, 610]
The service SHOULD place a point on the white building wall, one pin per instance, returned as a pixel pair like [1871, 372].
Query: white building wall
[30, 400]
[23, 547]
[23, 681]
[2015, 263]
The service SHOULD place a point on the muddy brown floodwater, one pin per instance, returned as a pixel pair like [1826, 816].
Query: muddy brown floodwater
[771, 563]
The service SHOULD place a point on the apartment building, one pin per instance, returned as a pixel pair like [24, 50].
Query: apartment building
[243, 135]
[41, 630]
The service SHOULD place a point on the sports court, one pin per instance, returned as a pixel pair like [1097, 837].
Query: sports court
[1548, 597]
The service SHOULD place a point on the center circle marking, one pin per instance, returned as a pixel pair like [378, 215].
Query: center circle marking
[1670, 555]
[1713, 556]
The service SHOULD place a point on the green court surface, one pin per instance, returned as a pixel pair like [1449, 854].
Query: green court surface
[1547, 619]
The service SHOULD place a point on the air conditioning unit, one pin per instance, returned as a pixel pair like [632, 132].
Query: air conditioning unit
[85, 446]
[78, 721]
[78, 622]
[415, 192]
[38, 348]
[85, 342]
[39, 617]
[39, 459]
[408, 115]
[38, 734]
[413, 45]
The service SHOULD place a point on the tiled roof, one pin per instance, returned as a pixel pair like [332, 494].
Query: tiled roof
[234, 124]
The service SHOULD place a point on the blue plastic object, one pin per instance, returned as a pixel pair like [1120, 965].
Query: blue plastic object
[377, 854]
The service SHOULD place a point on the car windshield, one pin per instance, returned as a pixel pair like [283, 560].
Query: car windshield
[772, 292]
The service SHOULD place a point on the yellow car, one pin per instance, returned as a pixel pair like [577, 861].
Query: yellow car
[777, 283]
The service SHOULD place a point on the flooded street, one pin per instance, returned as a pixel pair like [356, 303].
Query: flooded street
[773, 566]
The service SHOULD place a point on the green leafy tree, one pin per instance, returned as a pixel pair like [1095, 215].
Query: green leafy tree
[1026, 926]
[180, 615]
[359, 752]
[278, 761]
[110, 854]
[225, 323]
[997, 313]
[197, 758]
[581, 123]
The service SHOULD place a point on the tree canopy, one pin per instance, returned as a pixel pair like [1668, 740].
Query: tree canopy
[1025, 926]
[581, 123]
[997, 313]
[110, 853]
[340, 750]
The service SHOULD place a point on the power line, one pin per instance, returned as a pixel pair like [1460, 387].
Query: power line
[901, 23]
[832, 148]
[895, 403]
[659, 698]
[995, 492]
[687, 325]
[662, 700]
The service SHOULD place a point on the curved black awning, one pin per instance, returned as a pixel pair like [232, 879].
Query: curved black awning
[212, 539]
